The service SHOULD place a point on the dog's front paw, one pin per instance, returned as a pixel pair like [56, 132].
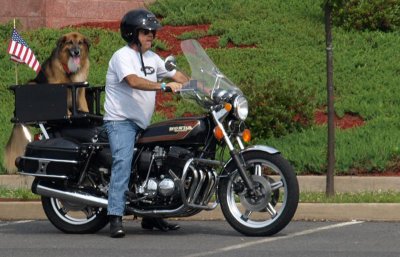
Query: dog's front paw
[83, 109]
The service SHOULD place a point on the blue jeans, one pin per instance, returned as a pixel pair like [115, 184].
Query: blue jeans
[121, 135]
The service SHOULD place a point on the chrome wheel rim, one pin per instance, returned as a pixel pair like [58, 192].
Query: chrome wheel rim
[72, 213]
[250, 217]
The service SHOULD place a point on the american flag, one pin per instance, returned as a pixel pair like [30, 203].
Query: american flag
[20, 52]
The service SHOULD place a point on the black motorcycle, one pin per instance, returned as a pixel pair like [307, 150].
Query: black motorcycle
[181, 166]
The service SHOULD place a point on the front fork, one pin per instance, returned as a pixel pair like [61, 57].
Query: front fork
[236, 156]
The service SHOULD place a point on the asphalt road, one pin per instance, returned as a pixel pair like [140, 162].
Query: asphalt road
[204, 238]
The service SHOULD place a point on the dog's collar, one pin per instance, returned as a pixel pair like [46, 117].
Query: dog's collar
[66, 69]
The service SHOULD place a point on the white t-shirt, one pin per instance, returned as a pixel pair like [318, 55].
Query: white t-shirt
[124, 102]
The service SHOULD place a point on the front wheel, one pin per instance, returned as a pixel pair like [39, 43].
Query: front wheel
[74, 218]
[275, 203]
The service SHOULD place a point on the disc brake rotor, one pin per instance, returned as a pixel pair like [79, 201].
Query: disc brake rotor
[257, 203]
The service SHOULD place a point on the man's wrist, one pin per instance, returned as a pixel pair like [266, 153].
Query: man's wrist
[163, 86]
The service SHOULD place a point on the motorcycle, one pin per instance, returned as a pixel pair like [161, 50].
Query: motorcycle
[180, 166]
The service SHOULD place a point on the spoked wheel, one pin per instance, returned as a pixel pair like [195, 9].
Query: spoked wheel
[75, 218]
[272, 207]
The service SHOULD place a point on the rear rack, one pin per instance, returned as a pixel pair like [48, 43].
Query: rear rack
[37, 104]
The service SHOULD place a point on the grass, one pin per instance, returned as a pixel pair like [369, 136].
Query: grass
[360, 197]
[289, 42]
[305, 197]
[19, 193]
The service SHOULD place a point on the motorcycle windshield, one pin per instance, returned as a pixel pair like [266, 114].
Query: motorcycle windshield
[207, 83]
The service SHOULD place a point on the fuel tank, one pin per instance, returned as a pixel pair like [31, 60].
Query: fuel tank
[181, 131]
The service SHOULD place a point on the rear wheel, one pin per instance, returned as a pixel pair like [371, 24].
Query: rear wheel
[74, 218]
[276, 202]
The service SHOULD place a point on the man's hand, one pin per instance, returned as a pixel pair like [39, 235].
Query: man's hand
[174, 86]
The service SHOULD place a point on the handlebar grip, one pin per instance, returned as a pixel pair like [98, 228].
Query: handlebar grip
[167, 89]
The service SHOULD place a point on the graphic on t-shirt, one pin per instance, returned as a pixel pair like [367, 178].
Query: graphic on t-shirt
[149, 70]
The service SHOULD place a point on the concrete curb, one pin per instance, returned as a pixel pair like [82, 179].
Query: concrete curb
[305, 211]
[20, 210]
[306, 183]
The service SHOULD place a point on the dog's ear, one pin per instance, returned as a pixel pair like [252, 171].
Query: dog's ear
[87, 42]
[61, 41]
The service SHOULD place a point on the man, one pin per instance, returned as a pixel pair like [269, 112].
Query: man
[131, 85]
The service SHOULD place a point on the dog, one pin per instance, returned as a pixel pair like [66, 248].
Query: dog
[68, 63]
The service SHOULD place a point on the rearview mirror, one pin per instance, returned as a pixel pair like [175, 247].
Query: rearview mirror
[170, 63]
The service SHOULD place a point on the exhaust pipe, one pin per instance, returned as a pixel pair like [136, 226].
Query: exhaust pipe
[76, 197]
[94, 201]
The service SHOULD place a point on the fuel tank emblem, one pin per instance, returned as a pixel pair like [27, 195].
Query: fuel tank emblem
[178, 129]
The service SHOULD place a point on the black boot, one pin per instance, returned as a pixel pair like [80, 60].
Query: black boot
[116, 229]
[158, 223]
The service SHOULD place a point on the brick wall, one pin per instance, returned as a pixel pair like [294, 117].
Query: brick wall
[59, 13]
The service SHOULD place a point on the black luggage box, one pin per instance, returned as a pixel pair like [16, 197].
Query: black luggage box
[41, 102]
[55, 157]
[47, 103]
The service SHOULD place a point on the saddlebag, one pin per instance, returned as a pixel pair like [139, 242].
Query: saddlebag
[53, 158]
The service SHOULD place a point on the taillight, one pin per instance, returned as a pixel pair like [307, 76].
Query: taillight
[37, 137]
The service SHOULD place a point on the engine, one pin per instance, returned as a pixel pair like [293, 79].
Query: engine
[157, 169]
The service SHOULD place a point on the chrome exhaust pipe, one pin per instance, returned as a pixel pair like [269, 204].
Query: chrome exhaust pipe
[77, 197]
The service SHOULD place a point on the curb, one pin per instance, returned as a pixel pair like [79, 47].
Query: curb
[306, 183]
[26, 210]
[305, 211]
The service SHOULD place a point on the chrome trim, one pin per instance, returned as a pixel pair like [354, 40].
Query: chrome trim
[236, 106]
[48, 160]
[77, 197]
[226, 137]
[181, 210]
[27, 134]
[44, 131]
[262, 148]
[240, 143]
[42, 175]
[197, 184]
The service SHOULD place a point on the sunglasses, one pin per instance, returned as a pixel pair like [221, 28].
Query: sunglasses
[147, 31]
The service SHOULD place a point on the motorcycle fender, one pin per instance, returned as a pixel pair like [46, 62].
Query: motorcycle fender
[255, 148]
[261, 148]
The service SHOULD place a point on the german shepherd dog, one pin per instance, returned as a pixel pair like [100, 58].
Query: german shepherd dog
[68, 63]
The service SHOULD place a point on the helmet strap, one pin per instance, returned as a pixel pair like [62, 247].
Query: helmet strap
[141, 57]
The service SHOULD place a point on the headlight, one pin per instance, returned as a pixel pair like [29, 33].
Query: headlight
[241, 107]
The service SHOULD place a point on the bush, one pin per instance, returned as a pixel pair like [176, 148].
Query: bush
[381, 15]
[284, 108]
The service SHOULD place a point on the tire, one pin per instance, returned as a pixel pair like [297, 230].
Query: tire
[74, 218]
[275, 179]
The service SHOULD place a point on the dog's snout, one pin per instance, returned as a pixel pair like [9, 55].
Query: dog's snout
[75, 51]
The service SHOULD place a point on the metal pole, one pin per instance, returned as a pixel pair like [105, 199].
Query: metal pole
[331, 109]
[16, 66]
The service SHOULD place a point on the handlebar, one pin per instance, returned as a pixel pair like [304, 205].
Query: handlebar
[167, 89]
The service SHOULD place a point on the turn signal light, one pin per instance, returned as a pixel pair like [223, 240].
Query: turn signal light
[228, 107]
[218, 133]
[246, 135]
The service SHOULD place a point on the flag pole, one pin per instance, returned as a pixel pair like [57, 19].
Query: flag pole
[16, 66]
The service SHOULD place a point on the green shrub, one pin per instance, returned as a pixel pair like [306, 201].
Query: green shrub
[279, 58]
[381, 15]
[284, 108]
